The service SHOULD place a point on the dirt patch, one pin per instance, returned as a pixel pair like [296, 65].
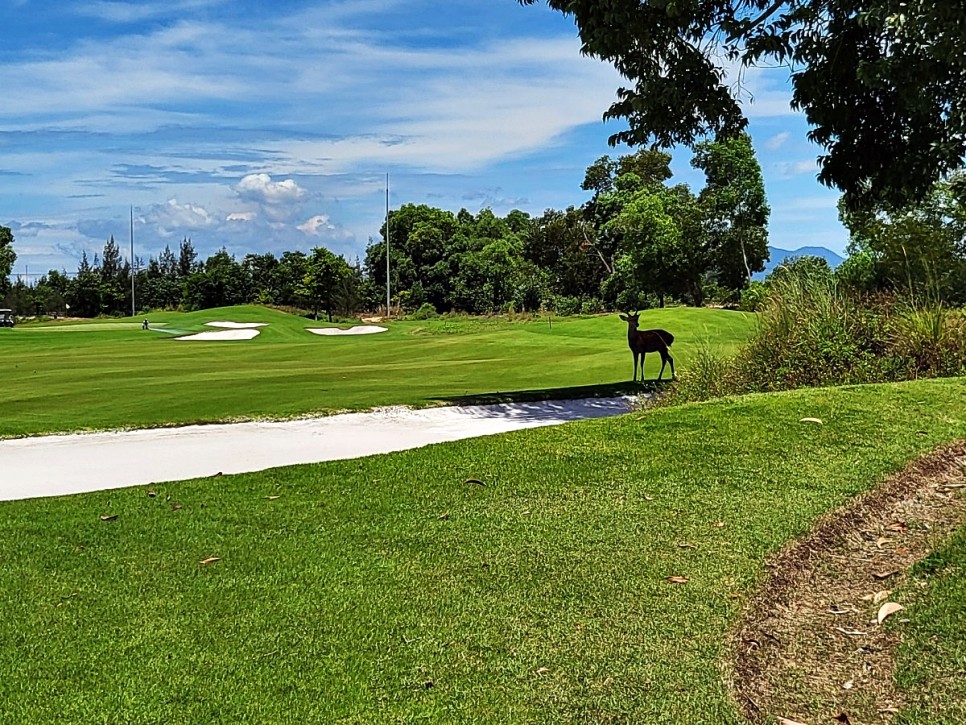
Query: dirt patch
[809, 647]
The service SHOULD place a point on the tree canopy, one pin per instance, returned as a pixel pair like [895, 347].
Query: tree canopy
[882, 82]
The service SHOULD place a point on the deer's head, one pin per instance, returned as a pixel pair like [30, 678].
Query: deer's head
[632, 319]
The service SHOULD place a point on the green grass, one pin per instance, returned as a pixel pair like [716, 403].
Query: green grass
[932, 658]
[386, 589]
[107, 374]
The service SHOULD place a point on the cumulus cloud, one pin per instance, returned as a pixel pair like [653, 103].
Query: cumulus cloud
[260, 189]
[174, 218]
[315, 226]
[241, 216]
[797, 168]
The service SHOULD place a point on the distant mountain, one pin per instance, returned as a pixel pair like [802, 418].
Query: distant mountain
[780, 255]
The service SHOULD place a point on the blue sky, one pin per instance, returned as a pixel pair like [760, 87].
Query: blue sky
[266, 127]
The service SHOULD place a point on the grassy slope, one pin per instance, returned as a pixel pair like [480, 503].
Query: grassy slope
[386, 589]
[932, 659]
[108, 374]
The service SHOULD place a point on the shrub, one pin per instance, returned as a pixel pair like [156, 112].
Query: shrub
[426, 311]
[753, 296]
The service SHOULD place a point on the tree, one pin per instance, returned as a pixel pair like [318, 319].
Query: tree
[735, 207]
[7, 259]
[919, 248]
[880, 81]
[327, 281]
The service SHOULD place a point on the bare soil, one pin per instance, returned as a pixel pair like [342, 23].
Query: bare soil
[809, 647]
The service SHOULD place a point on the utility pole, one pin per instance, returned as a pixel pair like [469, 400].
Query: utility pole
[133, 308]
[387, 245]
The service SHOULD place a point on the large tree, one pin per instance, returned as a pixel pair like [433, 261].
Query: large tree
[7, 258]
[882, 82]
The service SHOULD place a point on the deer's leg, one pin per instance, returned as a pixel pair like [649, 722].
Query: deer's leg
[671, 360]
[636, 355]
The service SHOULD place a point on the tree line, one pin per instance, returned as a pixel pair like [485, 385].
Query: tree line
[639, 241]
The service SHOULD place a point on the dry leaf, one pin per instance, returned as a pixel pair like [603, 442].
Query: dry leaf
[272, 498]
[786, 721]
[881, 596]
[889, 710]
[112, 517]
[851, 632]
[683, 545]
[885, 574]
[443, 516]
[811, 420]
[899, 526]
[477, 481]
[648, 498]
[211, 560]
[718, 524]
[152, 494]
[847, 685]
[882, 540]
[887, 610]
[835, 610]
[677, 579]
[543, 670]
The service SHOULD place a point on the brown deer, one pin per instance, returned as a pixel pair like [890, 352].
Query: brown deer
[642, 342]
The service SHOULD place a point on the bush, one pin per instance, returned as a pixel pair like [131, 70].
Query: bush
[426, 311]
[568, 306]
[753, 296]
[812, 332]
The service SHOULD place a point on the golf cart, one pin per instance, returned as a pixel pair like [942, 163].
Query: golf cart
[6, 318]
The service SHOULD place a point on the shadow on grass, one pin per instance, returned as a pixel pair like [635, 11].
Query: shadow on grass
[607, 390]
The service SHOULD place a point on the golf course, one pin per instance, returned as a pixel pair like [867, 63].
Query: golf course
[597, 571]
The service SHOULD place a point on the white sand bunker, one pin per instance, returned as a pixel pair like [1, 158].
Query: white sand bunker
[236, 325]
[357, 330]
[235, 331]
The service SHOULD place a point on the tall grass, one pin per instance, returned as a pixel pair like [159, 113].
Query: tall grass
[811, 332]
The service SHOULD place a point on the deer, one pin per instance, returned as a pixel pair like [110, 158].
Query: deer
[642, 342]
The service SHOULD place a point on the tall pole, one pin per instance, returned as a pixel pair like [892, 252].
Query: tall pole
[387, 245]
[133, 309]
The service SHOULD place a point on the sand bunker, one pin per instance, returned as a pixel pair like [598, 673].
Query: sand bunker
[57, 465]
[357, 330]
[235, 331]
[236, 325]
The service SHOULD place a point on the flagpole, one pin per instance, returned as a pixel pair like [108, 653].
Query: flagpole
[133, 309]
[387, 245]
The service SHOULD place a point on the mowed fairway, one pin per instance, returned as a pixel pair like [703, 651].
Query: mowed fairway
[387, 589]
[108, 374]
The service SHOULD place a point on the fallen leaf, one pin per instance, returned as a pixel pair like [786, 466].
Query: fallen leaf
[881, 596]
[887, 610]
[211, 560]
[836, 610]
[718, 524]
[543, 670]
[443, 516]
[882, 540]
[811, 420]
[648, 498]
[176, 506]
[272, 498]
[428, 685]
[889, 710]
[477, 481]
[885, 574]
[112, 517]
[526, 513]
[847, 685]
[954, 485]
[786, 721]
[683, 545]
[152, 494]
[851, 632]
[899, 526]
[677, 579]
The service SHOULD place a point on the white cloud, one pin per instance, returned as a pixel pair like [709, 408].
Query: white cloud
[797, 168]
[174, 218]
[261, 189]
[241, 216]
[777, 141]
[315, 226]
